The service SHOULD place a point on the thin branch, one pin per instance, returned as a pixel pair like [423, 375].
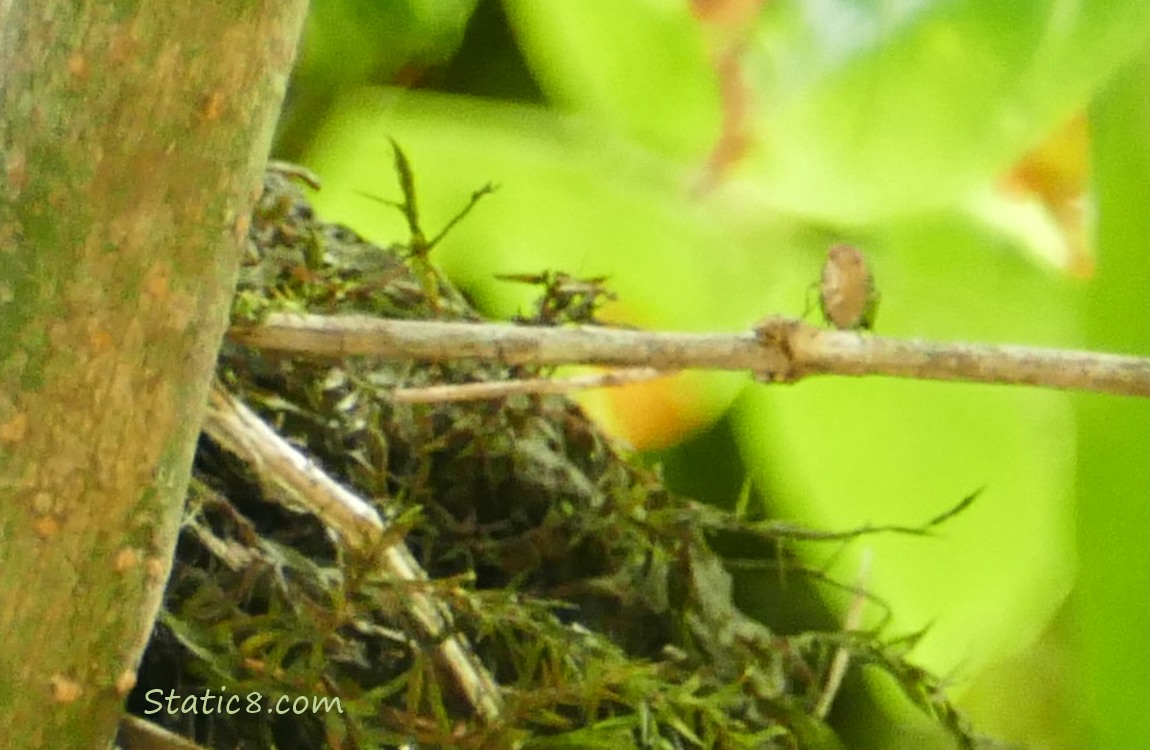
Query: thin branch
[296, 481]
[503, 388]
[842, 658]
[342, 336]
[137, 734]
[290, 475]
[779, 350]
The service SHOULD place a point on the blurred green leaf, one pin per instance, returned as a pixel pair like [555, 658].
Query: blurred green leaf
[865, 114]
[862, 110]
[1114, 515]
[352, 42]
[640, 68]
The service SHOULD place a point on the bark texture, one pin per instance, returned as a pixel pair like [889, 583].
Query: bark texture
[133, 134]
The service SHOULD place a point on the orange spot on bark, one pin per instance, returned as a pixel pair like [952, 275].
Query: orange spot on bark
[157, 282]
[14, 429]
[156, 568]
[78, 65]
[241, 226]
[126, 559]
[99, 340]
[46, 527]
[125, 682]
[16, 169]
[213, 106]
[64, 690]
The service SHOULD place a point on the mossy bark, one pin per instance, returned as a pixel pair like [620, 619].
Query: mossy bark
[133, 136]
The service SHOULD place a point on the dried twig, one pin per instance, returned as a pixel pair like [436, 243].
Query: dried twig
[504, 388]
[780, 350]
[291, 475]
[296, 481]
[317, 336]
[137, 734]
[842, 657]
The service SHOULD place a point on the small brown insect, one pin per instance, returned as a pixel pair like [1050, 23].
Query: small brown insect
[847, 293]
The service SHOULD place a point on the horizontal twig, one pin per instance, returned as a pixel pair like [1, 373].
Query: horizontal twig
[434, 394]
[816, 351]
[778, 350]
[436, 341]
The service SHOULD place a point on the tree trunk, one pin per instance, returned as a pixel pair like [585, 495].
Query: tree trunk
[133, 134]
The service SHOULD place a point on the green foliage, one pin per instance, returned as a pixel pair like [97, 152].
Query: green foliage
[862, 111]
[883, 123]
[588, 590]
[1111, 522]
[866, 124]
[419, 247]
